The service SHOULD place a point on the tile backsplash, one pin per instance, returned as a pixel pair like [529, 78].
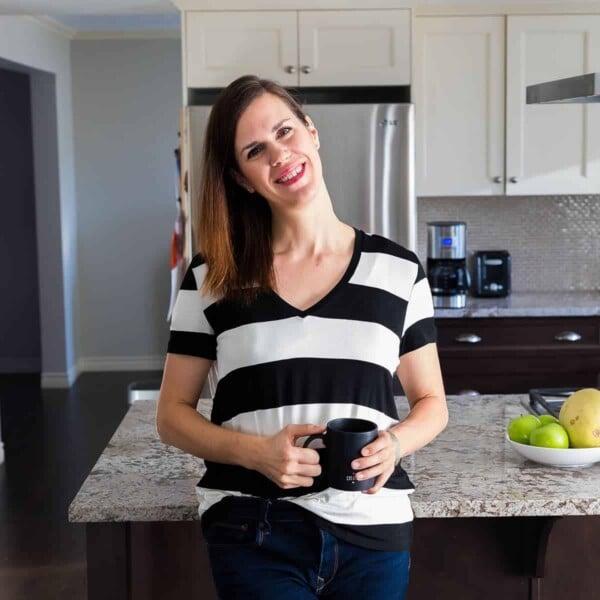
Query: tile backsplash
[554, 241]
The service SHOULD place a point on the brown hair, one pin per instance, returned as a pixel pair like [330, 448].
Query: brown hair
[234, 226]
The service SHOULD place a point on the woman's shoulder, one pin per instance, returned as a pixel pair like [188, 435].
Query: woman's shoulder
[374, 242]
[197, 260]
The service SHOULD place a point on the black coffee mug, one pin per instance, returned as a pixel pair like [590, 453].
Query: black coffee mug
[344, 439]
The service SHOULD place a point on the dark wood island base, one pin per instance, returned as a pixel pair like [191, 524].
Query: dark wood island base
[491, 558]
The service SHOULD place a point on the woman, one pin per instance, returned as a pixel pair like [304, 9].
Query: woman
[309, 318]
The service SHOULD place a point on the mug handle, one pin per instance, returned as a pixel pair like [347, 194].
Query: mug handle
[312, 438]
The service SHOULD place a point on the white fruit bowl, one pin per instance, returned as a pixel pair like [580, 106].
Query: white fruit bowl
[557, 457]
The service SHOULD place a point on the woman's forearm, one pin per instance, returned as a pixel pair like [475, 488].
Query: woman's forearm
[182, 426]
[427, 419]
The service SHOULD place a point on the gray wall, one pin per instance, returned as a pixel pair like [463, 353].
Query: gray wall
[126, 103]
[553, 240]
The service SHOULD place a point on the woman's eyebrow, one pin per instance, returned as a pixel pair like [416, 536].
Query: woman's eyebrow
[275, 128]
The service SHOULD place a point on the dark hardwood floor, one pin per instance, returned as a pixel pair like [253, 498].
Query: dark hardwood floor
[52, 439]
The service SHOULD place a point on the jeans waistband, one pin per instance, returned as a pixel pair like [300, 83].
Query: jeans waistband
[253, 507]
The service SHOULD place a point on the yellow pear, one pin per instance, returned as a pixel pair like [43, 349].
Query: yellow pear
[580, 416]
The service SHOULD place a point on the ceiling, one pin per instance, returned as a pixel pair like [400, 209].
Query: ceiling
[87, 7]
[122, 15]
[101, 15]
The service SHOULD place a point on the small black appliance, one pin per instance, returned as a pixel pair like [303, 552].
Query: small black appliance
[492, 273]
[446, 263]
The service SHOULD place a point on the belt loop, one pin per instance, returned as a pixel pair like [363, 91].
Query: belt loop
[263, 523]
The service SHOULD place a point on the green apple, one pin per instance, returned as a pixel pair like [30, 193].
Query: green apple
[520, 428]
[545, 419]
[552, 435]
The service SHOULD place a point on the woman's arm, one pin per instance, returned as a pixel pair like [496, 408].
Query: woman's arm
[179, 424]
[421, 378]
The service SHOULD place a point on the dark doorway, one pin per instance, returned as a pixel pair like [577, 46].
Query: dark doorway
[19, 298]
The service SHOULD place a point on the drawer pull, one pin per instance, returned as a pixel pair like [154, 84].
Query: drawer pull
[468, 393]
[567, 336]
[468, 338]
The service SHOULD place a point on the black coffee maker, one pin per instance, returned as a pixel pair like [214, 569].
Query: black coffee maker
[446, 263]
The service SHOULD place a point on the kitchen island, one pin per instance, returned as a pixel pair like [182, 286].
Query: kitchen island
[489, 524]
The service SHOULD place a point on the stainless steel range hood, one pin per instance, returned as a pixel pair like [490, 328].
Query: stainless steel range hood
[572, 90]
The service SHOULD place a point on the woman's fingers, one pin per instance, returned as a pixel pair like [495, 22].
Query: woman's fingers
[378, 485]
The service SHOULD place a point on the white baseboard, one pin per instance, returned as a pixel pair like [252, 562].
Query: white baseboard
[102, 363]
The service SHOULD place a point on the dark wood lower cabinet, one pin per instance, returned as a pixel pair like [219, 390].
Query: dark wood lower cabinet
[521, 558]
[513, 355]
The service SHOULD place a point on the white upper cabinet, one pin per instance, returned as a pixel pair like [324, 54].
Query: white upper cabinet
[458, 93]
[551, 148]
[307, 48]
[221, 46]
[354, 47]
[462, 102]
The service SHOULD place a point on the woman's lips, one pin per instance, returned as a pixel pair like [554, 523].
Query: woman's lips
[296, 177]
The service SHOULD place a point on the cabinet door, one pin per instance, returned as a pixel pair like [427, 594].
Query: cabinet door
[221, 46]
[354, 47]
[459, 105]
[551, 148]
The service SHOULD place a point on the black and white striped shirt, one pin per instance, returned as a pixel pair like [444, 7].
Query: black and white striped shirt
[278, 365]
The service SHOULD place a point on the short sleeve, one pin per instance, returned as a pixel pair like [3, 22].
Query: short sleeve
[419, 325]
[191, 333]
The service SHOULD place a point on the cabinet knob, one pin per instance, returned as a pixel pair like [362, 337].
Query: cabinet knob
[306, 69]
[514, 180]
[567, 336]
[498, 179]
[468, 338]
[468, 393]
[291, 69]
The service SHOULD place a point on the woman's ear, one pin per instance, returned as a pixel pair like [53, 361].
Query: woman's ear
[313, 131]
[241, 181]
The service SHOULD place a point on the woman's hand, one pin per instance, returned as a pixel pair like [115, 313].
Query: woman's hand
[286, 464]
[377, 460]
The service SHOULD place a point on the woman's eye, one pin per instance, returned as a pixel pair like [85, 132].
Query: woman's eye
[284, 131]
[254, 151]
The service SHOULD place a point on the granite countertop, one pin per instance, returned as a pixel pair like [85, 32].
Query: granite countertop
[528, 304]
[469, 470]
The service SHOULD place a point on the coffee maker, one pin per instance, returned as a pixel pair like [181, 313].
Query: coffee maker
[446, 263]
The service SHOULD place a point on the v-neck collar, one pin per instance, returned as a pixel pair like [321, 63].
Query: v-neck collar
[345, 278]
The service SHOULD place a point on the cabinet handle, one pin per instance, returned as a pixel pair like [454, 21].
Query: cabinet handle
[467, 338]
[306, 69]
[567, 336]
[291, 69]
[468, 393]
[498, 179]
[514, 180]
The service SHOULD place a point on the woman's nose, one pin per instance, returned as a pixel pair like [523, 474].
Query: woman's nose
[279, 155]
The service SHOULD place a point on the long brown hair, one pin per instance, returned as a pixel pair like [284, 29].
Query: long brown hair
[234, 226]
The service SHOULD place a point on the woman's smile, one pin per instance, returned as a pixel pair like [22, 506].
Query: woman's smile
[292, 175]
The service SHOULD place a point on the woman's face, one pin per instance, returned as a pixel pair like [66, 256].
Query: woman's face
[277, 154]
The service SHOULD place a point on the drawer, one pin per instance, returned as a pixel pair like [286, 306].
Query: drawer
[518, 332]
[506, 371]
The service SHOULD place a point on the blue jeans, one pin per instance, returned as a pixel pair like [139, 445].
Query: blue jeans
[269, 549]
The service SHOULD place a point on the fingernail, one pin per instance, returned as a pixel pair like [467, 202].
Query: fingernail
[360, 476]
[356, 465]
[365, 451]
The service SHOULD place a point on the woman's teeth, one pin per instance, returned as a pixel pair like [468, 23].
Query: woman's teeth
[291, 174]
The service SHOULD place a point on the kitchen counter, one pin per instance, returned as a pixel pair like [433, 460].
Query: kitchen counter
[144, 538]
[468, 471]
[528, 304]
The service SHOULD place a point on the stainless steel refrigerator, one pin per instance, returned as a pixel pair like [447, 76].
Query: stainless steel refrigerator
[367, 151]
